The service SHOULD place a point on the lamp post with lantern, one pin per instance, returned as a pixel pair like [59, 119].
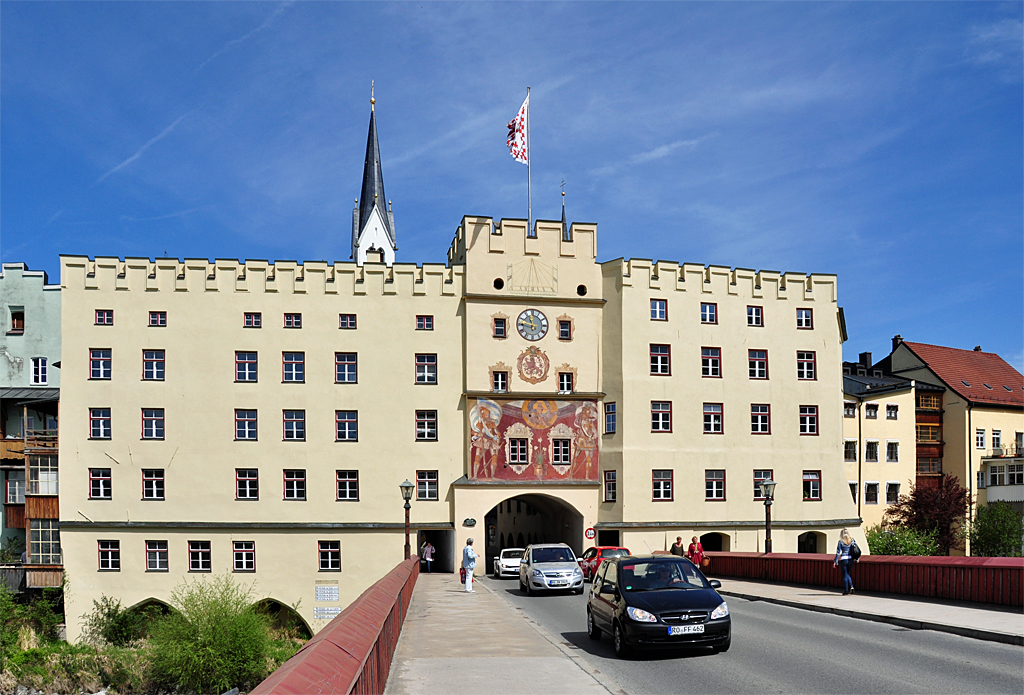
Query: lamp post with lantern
[768, 492]
[407, 489]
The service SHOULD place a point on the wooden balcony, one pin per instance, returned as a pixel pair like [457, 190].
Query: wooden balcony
[12, 451]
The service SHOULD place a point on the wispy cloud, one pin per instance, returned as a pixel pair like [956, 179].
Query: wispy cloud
[53, 217]
[168, 216]
[234, 42]
[164, 133]
[665, 150]
[992, 43]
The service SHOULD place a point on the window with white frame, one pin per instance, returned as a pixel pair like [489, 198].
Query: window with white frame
[997, 439]
[757, 364]
[245, 366]
[99, 363]
[871, 411]
[330, 555]
[849, 409]
[661, 481]
[661, 416]
[714, 485]
[152, 483]
[500, 381]
[293, 320]
[1015, 474]
[345, 367]
[560, 451]
[517, 450]
[293, 367]
[104, 317]
[42, 475]
[99, 484]
[44, 541]
[38, 371]
[200, 556]
[15, 487]
[109, 556]
[760, 418]
[755, 316]
[850, 450]
[610, 486]
[892, 452]
[158, 319]
[812, 485]
[565, 330]
[426, 485]
[426, 425]
[711, 362]
[979, 438]
[245, 424]
[809, 419]
[247, 484]
[499, 328]
[759, 476]
[708, 313]
[156, 556]
[712, 418]
[892, 493]
[659, 310]
[244, 555]
[347, 321]
[426, 369]
[996, 475]
[295, 484]
[565, 382]
[153, 365]
[853, 490]
[610, 422]
[871, 451]
[805, 365]
[661, 360]
[805, 318]
[870, 493]
[348, 486]
[152, 423]
[253, 319]
[295, 425]
[99, 423]
[424, 323]
[347, 425]
[892, 411]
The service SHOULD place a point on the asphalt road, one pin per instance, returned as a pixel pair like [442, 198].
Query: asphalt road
[776, 649]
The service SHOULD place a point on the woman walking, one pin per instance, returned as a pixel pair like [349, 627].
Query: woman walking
[695, 552]
[844, 560]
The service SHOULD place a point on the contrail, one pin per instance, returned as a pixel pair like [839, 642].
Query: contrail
[142, 149]
[234, 42]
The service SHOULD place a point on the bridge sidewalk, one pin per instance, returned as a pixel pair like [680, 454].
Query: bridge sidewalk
[980, 621]
[454, 642]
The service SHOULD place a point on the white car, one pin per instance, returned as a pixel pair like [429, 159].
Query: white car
[506, 564]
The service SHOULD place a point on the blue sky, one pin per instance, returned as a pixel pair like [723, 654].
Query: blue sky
[883, 142]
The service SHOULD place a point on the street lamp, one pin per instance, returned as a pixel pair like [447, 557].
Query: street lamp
[768, 492]
[407, 489]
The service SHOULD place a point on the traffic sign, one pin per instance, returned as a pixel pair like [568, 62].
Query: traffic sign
[590, 534]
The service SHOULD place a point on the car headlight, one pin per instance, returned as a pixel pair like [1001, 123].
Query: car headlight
[721, 612]
[640, 615]
[538, 573]
[577, 571]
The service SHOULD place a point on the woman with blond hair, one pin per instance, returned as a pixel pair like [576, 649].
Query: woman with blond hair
[844, 559]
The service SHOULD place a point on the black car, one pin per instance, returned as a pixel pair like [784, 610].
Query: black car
[657, 601]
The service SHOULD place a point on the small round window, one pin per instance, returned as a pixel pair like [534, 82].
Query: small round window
[499, 284]
[581, 290]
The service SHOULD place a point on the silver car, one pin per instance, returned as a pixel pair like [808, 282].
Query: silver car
[550, 567]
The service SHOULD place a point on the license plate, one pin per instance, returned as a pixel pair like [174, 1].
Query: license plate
[558, 582]
[684, 629]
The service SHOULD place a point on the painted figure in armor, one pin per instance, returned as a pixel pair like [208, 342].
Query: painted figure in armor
[485, 439]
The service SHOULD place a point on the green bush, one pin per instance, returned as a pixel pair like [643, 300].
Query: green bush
[901, 540]
[8, 626]
[214, 640]
[109, 622]
[11, 550]
[997, 531]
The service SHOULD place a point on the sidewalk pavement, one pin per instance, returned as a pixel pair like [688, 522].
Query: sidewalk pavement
[479, 643]
[978, 620]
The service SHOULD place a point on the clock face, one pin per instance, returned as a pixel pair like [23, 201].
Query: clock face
[532, 324]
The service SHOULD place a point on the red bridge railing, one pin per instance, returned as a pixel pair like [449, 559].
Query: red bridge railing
[353, 653]
[982, 579]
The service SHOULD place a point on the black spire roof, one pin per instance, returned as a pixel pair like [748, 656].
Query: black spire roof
[373, 183]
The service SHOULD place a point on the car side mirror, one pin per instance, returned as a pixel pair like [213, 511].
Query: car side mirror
[715, 584]
[608, 589]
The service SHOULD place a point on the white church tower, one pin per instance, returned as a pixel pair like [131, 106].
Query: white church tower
[373, 223]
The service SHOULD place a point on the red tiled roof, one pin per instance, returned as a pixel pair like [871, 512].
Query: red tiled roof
[955, 367]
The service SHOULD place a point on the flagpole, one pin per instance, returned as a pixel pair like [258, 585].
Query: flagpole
[529, 177]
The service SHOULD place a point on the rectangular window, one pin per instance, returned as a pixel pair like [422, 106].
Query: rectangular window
[760, 418]
[714, 485]
[295, 484]
[805, 365]
[758, 477]
[426, 425]
[711, 362]
[347, 422]
[152, 423]
[153, 365]
[929, 464]
[661, 416]
[44, 542]
[849, 409]
[853, 491]
[661, 360]
[345, 367]
[295, 425]
[929, 433]
[609, 418]
[152, 483]
[708, 313]
[610, 482]
[424, 323]
[565, 382]
[892, 493]
[871, 452]
[927, 401]
[871, 411]
[812, 485]
[158, 319]
[247, 484]
[293, 320]
[245, 366]
[42, 475]
[757, 364]
[15, 487]
[560, 451]
[500, 382]
[979, 438]
[755, 316]
[712, 418]
[245, 424]
[347, 321]
[293, 367]
[17, 320]
[253, 319]
[348, 485]
[1015, 474]
[870, 493]
[500, 330]
[330, 556]
[99, 364]
[662, 484]
[426, 369]
[808, 419]
[996, 476]
[565, 330]
[99, 423]
[109, 555]
[892, 411]
[104, 317]
[517, 451]
[426, 485]
[997, 439]
[659, 310]
[199, 556]
[156, 556]
[805, 318]
[39, 371]
[99, 484]
[850, 450]
[245, 555]
[892, 452]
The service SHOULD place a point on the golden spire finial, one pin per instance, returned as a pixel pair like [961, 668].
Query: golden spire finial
[372, 100]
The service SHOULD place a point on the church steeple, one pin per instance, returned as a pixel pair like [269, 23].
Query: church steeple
[373, 223]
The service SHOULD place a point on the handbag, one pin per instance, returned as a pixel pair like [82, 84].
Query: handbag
[705, 562]
[854, 551]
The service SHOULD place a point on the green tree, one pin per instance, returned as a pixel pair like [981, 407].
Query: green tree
[940, 509]
[997, 531]
[901, 540]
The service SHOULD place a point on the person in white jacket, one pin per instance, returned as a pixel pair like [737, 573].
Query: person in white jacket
[469, 557]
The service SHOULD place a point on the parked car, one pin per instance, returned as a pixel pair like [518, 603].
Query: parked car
[550, 566]
[506, 564]
[653, 601]
[591, 559]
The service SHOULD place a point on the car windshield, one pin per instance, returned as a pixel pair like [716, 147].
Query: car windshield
[615, 552]
[553, 555]
[511, 554]
[655, 575]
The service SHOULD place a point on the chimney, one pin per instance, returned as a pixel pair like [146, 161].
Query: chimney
[865, 359]
[977, 348]
[896, 340]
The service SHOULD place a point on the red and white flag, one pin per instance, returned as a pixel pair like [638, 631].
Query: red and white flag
[517, 128]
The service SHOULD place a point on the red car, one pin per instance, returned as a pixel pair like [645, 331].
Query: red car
[591, 560]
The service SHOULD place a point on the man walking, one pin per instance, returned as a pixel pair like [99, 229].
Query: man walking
[469, 557]
[677, 547]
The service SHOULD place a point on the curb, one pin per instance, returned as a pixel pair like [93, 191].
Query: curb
[972, 632]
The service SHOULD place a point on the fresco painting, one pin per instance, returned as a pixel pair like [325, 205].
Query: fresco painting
[533, 440]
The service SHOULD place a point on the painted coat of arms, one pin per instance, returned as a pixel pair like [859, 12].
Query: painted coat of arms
[533, 365]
